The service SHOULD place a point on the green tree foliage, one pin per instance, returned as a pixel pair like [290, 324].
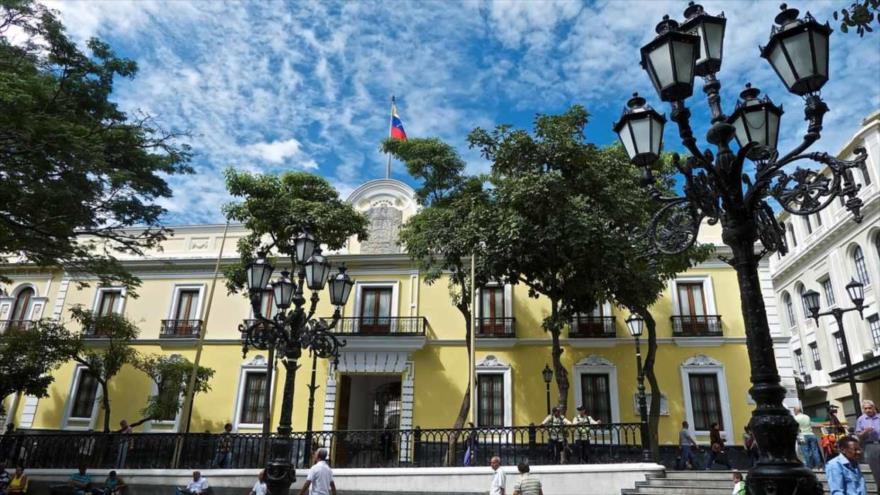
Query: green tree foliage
[75, 171]
[276, 208]
[170, 374]
[105, 360]
[29, 356]
[859, 15]
[455, 220]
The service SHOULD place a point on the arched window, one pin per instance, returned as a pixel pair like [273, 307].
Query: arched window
[859, 264]
[789, 309]
[800, 291]
[20, 307]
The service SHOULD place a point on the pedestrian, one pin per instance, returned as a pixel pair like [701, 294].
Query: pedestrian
[198, 485]
[556, 423]
[686, 444]
[739, 486]
[223, 457]
[18, 485]
[319, 481]
[498, 480]
[527, 484]
[124, 446]
[843, 472]
[582, 424]
[751, 445]
[4, 476]
[470, 453]
[807, 440]
[716, 448]
[868, 433]
[113, 485]
[260, 486]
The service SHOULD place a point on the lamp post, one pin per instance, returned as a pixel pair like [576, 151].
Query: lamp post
[856, 292]
[635, 324]
[547, 374]
[717, 187]
[291, 330]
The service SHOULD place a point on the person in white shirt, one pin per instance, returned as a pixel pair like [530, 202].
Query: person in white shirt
[498, 480]
[196, 486]
[260, 486]
[320, 478]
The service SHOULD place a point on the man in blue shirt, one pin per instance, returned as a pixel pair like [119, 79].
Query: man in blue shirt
[843, 472]
[868, 431]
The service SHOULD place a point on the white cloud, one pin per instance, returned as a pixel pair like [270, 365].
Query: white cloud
[278, 152]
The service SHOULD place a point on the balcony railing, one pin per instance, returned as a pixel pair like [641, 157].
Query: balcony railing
[696, 326]
[402, 326]
[607, 443]
[593, 327]
[496, 327]
[180, 329]
[15, 325]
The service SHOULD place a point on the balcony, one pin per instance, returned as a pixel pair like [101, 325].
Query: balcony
[399, 326]
[592, 327]
[696, 326]
[16, 325]
[180, 329]
[495, 327]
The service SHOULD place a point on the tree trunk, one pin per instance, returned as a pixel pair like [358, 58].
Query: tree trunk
[105, 403]
[656, 395]
[554, 326]
[465, 407]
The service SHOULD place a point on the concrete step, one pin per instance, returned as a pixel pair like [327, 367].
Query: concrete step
[706, 483]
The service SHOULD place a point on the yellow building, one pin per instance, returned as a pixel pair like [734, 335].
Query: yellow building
[405, 362]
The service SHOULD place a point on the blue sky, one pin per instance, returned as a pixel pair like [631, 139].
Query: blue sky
[273, 86]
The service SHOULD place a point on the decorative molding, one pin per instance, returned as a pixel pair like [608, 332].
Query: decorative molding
[594, 360]
[257, 361]
[699, 360]
[490, 361]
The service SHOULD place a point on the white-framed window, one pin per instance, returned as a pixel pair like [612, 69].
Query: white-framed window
[185, 312]
[705, 395]
[860, 268]
[494, 309]
[250, 401]
[789, 310]
[376, 306]
[169, 423]
[838, 344]
[693, 306]
[595, 387]
[494, 393]
[807, 315]
[874, 327]
[814, 354]
[799, 361]
[82, 402]
[108, 300]
[828, 289]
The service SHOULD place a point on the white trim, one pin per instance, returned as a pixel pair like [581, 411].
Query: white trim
[708, 292]
[175, 296]
[490, 365]
[70, 423]
[120, 304]
[595, 364]
[700, 363]
[257, 365]
[508, 299]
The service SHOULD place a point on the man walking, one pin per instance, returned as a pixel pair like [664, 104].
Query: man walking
[686, 442]
[843, 473]
[556, 433]
[319, 481]
[868, 432]
[527, 484]
[223, 457]
[807, 440]
[498, 480]
[582, 424]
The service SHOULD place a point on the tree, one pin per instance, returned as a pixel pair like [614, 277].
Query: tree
[443, 236]
[560, 217]
[859, 15]
[105, 361]
[76, 172]
[28, 358]
[277, 208]
[170, 375]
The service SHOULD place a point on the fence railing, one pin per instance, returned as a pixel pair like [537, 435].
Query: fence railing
[603, 443]
[696, 326]
[381, 325]
[592, 327]
[496, 327]
[180, 329]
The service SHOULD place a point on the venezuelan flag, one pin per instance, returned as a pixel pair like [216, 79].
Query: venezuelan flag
[397, 131]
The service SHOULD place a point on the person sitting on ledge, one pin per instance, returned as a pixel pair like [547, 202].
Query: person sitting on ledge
[82, 482]
[113, 485]
[18, 485]
[198, 485]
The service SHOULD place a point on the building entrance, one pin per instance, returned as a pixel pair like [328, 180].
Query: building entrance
[368, 409]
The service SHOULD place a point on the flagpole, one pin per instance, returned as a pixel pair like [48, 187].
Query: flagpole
[390, 123]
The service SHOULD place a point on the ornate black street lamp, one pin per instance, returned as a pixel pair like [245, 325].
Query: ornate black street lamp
[636, 325]
[547, 375]
[717, 187]
[856, 291]
[290, 331]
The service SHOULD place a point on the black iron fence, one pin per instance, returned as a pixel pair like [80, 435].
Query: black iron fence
[589, 326]
[381, 325]
[180, 329]
[696, 326]
[619, 442]
[496, 327]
